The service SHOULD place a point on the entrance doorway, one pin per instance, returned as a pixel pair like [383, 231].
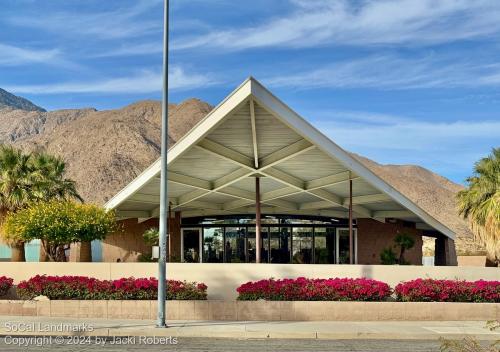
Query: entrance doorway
[191, 245]
[343, 246]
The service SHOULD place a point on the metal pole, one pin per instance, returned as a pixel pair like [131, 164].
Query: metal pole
[257, 220]
[162, 263]
[351, 242]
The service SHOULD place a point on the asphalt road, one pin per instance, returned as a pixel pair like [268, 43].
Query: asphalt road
[221, 345]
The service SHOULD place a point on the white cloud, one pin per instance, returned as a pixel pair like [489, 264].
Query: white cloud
[391, 72]
[449, 147]
[120, 23]
[144, 82]
[13, 55]
[322, 22]
[133, 50]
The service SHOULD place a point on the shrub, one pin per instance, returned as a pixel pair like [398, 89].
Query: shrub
[388, 257]
[5, 285]
[59, 223]
[303, 289]
[83, 288]
[429, 290]
[151, 236]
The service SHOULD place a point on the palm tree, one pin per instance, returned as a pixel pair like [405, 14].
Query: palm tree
[27, 178]
[48, 176]
[480, 204]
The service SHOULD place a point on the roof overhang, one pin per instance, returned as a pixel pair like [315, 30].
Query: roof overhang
[252, 133]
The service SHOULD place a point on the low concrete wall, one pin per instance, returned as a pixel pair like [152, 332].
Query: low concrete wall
[472, 260]
[223, 279]
[257, 310]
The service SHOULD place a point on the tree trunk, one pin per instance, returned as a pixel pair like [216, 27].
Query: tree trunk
[17, 252]
[44, 257]
[85, 252]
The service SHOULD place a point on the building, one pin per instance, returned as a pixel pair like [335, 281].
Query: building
[254, 168]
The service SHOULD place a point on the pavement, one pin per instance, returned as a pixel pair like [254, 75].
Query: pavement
[330, 330]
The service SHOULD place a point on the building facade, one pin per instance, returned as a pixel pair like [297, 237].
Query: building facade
[253, 169]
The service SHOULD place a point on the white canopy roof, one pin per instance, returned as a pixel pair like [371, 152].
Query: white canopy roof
[252, 133]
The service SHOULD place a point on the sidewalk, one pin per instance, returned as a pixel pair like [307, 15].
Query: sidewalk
[395, 330]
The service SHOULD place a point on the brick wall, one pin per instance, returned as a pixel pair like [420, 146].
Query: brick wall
[374, 236]
[127, 244]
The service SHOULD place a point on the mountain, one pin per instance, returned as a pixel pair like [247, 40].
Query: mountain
[433, 193]
[11, 101]
[105, 150]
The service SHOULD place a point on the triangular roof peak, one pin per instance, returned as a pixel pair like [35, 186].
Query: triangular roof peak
[253, 92]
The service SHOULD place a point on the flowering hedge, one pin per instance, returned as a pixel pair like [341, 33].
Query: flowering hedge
[303, 289]
[5, 284]
[429, 290]
[83, 288]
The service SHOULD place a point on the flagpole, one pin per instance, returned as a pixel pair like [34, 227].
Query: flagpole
[162, 261]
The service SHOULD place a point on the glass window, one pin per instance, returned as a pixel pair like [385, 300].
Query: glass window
[191, 245]
[324, 245]
[213, 245]
[280, 245]
[264, 252]
[343, 246]
[302, 245]
[250, 245]
[234, 249]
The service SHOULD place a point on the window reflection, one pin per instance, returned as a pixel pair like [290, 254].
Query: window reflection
[324, 245]
[213, 245]
[234, 249]
[280, 245]
[302, 245]
[343, 246]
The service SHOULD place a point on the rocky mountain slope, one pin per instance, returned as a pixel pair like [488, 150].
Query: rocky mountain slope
[105, 150]
[11, 101]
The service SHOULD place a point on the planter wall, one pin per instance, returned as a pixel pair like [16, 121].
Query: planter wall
[223, 279]
[257, 310]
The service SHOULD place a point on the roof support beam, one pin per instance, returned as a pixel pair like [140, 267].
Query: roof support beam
[226, 153]
[254, 134]
[189, 181]
[238, 203]
[280, 193]
[372, 198]
[238, 193]
[205, 205]
[330, 197]
[286, 153]
[283, 177]
[330, 180]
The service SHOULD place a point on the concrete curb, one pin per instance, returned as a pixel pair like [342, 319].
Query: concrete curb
[264, 330]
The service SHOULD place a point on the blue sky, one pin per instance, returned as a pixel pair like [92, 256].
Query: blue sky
[399, 81]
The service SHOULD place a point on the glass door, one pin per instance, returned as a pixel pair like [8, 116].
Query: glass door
[280, 245]
[234, 248]
[343, 246]
[302, 245]
[191, 245]
[324, 245]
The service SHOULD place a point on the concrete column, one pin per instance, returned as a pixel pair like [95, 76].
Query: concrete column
[444, 252]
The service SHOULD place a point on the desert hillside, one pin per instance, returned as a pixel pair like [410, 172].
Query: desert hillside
[105, 150]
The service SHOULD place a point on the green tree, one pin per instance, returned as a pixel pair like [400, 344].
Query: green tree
[405, 242]
[26, 178]
[57, 224]
[479, 203]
